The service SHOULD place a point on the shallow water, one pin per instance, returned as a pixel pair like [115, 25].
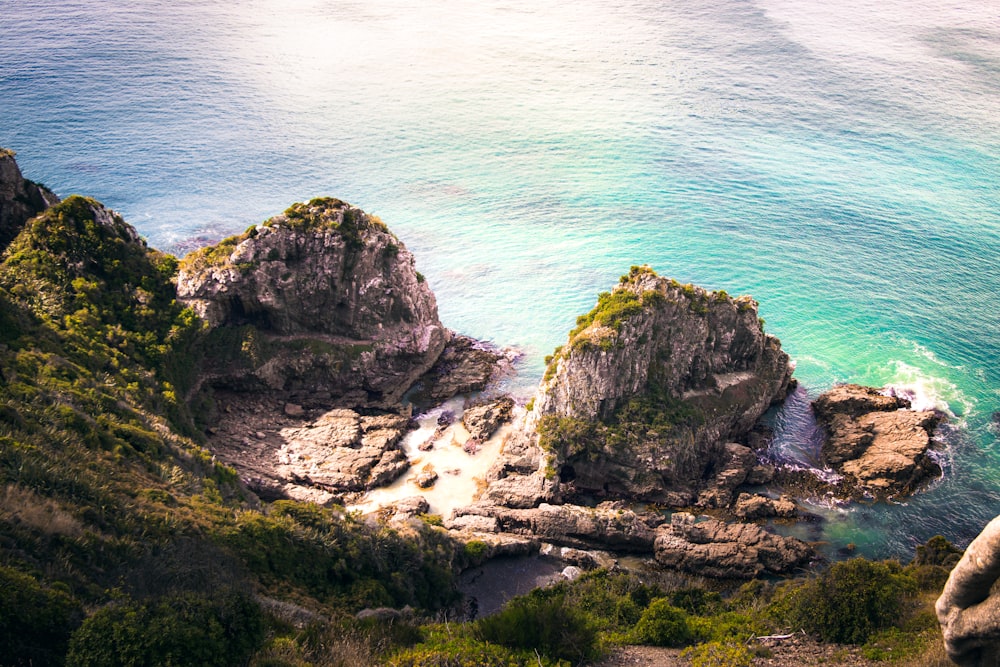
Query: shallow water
[838, 161]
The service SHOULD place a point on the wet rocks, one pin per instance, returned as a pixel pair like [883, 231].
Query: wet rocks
[465, 365]
[482, 421]
[755, 506]
[873, 439]
[727, 550]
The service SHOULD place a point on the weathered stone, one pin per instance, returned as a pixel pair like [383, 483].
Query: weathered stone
[427, 479]
[759, 507]
[411, 506]
[20, 199]
[482, 421]
[294, 410]
[322, 297]
[343, 451]
[698, 362]
[732, 551]
[969, 609]
[574, 526]
[465, 365]
[875, 441]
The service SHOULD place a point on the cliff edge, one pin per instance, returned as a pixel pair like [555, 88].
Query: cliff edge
[20, 199]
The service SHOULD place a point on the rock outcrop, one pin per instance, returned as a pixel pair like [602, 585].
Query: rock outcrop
[20, 199]
[322, 297]
[875, 440]
[618, 529]
[727, 550]
[644, 398]
[969, 608]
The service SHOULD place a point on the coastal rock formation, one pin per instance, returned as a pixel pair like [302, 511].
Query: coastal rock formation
[465, 365]
[339, 453]
[20, 199]
[755, 506]
[727, 550]
[565, 525]
[644, 397]
[482, 421]
[875, 440]
[322, 297]
[969, 608]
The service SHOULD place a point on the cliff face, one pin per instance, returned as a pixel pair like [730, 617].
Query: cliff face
[20, 199]
[323, 296]
[650, 387]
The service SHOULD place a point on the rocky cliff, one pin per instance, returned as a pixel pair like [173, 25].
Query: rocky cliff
[20, 199]
[322, 298]
[649, 390]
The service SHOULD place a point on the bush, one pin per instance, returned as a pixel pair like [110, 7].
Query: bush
[719, 654]
[35, 622]
[546, 621]
[185, 629]
[848, 602]
[662, 624]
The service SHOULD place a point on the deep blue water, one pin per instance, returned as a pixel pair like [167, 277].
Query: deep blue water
[838, 161]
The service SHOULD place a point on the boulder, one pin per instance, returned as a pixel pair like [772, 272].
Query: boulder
[727, 550]
[465, 365]
[482, 421]
[969, 608]
[343, 451]
[876, 441]
[20, 199]
[761, 507]
[321, 297]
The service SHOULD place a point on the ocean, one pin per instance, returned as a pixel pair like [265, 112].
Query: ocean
[838, 161]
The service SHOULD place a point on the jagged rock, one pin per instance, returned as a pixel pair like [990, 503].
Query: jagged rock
[294, 410]
[570, 525]
[466, 365]
[642, 399]
[408, 507]
[968, 608]
[343, 451]
[727, 550]
[427, 479]
[482, 421]
[875, 440]
[322, 297]
[571, 573]
[20, 199]
[736, 463]
[759, 507]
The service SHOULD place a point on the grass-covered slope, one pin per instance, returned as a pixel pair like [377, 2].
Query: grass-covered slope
[111, 513]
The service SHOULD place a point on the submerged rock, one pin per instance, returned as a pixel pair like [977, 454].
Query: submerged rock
[727, 550]
[322, 297]
[875, 440]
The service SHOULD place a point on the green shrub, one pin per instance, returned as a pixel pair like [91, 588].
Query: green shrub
[662, 624]
[35, 622]
[719, 654]
[849, 602]
[178, 630]
[546, 621]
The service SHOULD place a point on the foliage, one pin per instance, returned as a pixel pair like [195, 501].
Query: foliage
[544, 620]
[662, 624]
[849, 602]
[35, 621]
[444, 650]
[221, 629]
[938, 551]
[719, 654]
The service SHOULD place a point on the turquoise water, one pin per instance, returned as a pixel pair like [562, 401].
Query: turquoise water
[839, 163]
